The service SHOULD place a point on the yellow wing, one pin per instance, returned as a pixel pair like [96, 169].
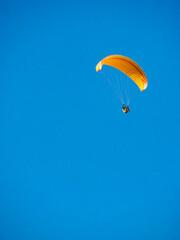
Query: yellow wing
[127, 66]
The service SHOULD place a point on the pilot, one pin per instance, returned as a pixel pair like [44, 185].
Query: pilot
[125, 109]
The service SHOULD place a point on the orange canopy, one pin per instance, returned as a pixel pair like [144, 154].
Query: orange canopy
[127, 66]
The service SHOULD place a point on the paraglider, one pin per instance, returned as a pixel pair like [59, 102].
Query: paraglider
[129, 68]
[125, 109]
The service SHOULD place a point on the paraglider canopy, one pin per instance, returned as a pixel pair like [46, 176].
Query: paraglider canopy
[127, 66]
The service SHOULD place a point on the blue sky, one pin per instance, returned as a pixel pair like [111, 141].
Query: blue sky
[72, 165]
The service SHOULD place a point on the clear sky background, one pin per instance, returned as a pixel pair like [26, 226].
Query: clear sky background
[72, 165]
